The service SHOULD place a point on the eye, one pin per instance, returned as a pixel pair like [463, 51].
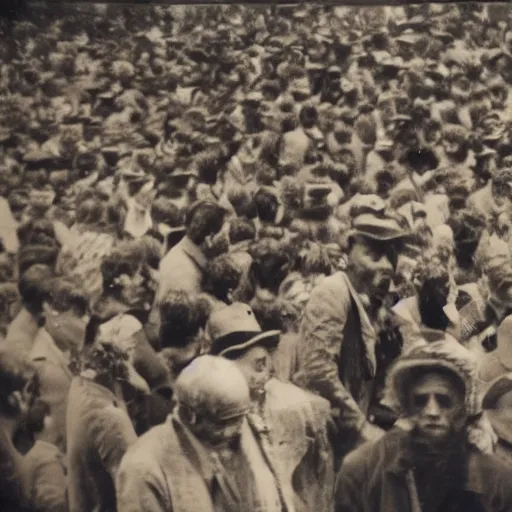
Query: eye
[260, 364]
[419, 401]
[444, 401]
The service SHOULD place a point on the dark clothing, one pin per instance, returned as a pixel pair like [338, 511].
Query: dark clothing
[377, 478]
[13, 495]
[99, 432]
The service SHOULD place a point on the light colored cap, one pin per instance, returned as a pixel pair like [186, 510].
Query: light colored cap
[213, 386]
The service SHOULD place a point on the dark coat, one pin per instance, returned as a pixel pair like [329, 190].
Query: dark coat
[374, 479]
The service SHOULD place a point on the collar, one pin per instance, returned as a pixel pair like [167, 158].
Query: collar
[194, 252]
[194, 449]
[45, 347]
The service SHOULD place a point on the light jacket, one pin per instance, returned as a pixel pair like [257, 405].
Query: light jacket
[299, 432]
[169, 470]
[336, 350]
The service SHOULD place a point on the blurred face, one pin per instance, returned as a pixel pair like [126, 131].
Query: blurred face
[135, 291]
[220, 434]
[371, 267]
[436, 406]
[256, 366]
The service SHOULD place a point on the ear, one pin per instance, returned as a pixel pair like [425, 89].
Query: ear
[15, 401]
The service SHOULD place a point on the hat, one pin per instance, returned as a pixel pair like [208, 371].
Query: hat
[442, 354]
[213, 386]
[377, 227]
[496, 389]
[234, 328]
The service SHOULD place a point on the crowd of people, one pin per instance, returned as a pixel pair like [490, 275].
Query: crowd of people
[256, 258]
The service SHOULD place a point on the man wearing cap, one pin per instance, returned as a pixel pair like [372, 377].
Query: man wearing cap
[336, 346]
[497, 402]
[204, 457]
[290, 423]
[495, 196]
[432, 466]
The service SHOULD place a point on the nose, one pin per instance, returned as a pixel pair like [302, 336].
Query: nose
[432, 409]
[384, 266]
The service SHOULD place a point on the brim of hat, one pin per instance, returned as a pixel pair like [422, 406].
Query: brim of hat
[268, 338]
[371, 235]
[496, 390]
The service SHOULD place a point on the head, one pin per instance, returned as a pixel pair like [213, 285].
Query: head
[66, 312]
[435, 403]
[19, 395]
[241, 230]
[212, 400]
[370, 265]
[227, 279]
[268, 206]
[255, 363]
[502, 186]
[37, 232]
[30, 255]
[35, 287]
[128, 276]
[203, 221]
[272, 261]
[111, 366]
[435, 386]
[237, 335]
[181, 318]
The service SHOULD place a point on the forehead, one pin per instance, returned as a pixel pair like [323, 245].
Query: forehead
[434, 383]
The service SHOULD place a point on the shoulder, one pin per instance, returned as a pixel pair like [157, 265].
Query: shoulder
[374, 457]
[285, 395]
[333, 284]
[150, 449]
[481, 467]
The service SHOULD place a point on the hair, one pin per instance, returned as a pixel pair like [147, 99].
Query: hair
[37, 232]
[16, 371]
[90, 211]
[37, 254]
[222, 274]
[467, 228]
[18, 200]
[316, 261]
[207, 164]
[267, 205]
[66, 295]
[271, 263]
[126, 259]
[108, 360]
[242, 202]
[34, 286]
[203, 220]
[275, 315]
[241, 230]
[308, 116]
[181, 318]
[165, 211]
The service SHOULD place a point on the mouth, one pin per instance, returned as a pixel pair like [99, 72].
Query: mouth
[434, 428]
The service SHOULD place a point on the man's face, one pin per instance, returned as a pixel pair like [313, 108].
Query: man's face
[371, 267]
[221, 434]
[436, 406]
[256, 366]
